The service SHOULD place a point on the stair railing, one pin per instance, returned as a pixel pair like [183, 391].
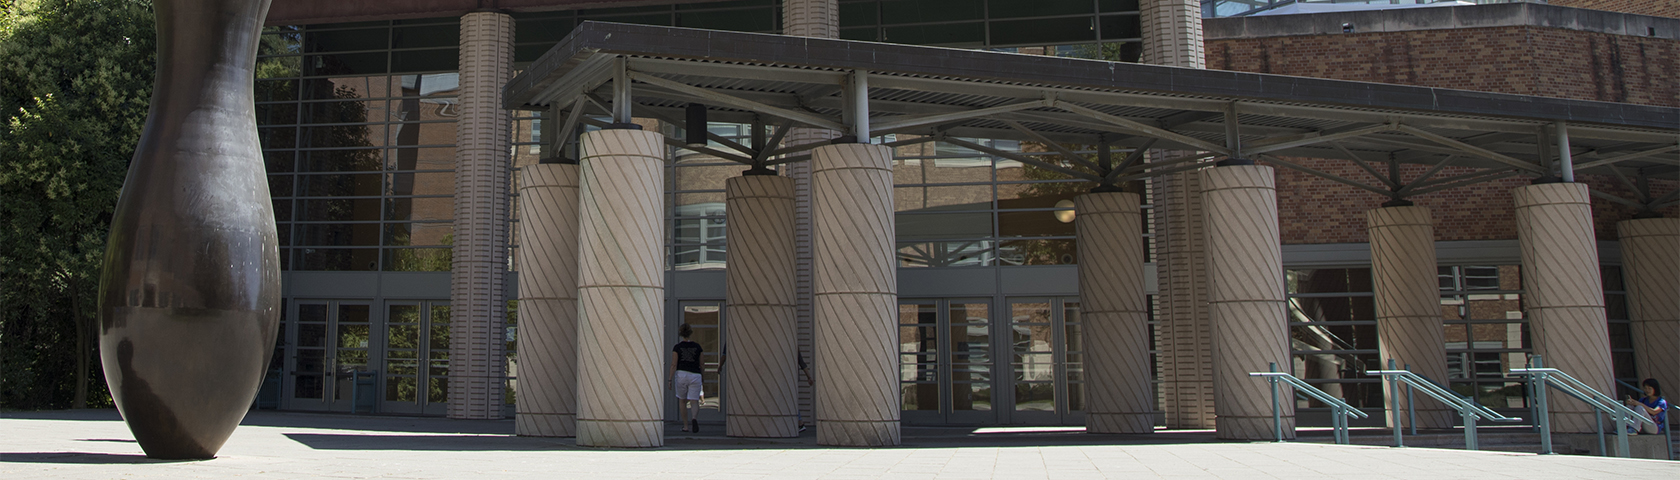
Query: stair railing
[1340, 411]
[1552, 377]
[1467, 407]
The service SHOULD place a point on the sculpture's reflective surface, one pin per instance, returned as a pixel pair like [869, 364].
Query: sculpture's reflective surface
[190, 297]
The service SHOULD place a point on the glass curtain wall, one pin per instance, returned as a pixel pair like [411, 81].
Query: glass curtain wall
[1106, 29]
[1486, 332]
[357, 124]
[1333, 334]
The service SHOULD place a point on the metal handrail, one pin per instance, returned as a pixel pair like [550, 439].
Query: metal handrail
[1340, 410]
[1467, 407]
[1575, 388]
[1668, 430]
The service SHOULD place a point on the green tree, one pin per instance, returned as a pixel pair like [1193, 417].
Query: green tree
[75, 82]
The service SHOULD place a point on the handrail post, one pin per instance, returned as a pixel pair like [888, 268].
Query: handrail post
[1394, 404]
[1277, 418]
[1598, 423]
[1621, 435]
[1411, 410]
[1470, 429]
[1545, 416]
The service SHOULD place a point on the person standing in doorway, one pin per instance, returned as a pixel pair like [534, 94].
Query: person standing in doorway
[685, 378]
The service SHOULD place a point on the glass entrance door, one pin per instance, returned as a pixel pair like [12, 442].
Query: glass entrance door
[329, 344]
[415, 378]
[945, 361]
[710, 331]
[1046, 362]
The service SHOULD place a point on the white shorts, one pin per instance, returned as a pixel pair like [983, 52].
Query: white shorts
[688, 385]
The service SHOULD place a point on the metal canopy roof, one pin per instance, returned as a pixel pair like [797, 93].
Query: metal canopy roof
[1071, 104]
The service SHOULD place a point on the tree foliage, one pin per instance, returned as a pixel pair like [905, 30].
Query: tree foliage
[75, 81]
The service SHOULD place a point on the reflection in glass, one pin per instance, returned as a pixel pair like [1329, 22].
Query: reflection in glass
[975, 253]
[1035, 396]
[1038, 252]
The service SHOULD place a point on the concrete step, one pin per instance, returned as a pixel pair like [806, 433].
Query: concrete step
[1501, 439]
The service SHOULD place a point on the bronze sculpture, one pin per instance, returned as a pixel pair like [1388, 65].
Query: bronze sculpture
[190, 295]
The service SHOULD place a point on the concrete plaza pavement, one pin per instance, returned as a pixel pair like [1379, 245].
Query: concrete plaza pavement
[95, 444]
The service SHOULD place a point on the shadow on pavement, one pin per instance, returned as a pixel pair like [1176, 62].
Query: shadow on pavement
[456, 443]
[81, 458]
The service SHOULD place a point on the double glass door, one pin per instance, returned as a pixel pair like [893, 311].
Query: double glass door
[348, 356]
[946, 370]
[1046, 361]
[329, 343]
[415, 376]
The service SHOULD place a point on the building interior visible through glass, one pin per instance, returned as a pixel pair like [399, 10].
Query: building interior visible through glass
[357, 123]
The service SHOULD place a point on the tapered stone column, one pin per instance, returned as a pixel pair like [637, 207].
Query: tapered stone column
[1115, 310]
[763, 369]
[483, 132]
[1408, 301]
[855, 290]
[1245, 300]
[548, 326]
[621, 290]
[1651, 270]
[1564, 294]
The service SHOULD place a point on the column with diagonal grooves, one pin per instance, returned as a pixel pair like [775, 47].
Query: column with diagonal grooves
[1116, 313]
[621, 293]
[1564, 294]
[760, 297]
[483, 132]
[855, 293]
[1651, 270]
[548, 250]
[1408, 303]
[1245, 300]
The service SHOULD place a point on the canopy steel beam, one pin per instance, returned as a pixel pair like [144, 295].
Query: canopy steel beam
[1058, 147]
[1451, 185]
[891, 123]
[1630, 156]
[1023, 159]
[1393, 183]
[1328, 176]
[1418, 185]
[1142, 128]
[775, 139]
[1430, 173]
[1313, 138]
[737, 102]
[1131, 159]
[1613, 198]
[1472, 149]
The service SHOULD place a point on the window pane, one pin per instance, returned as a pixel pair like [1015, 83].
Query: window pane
[1038, 252]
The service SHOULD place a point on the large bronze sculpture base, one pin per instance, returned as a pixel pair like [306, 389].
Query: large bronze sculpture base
[190, 296]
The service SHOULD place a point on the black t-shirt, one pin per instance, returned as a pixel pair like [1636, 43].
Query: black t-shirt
[688, 356]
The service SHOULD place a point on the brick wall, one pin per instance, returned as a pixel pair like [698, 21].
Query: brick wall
[1658, 8]
[1521, 60]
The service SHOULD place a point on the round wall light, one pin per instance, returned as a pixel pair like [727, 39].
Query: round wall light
[1064, 211]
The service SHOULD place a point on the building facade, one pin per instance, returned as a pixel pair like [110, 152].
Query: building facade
[362, 128]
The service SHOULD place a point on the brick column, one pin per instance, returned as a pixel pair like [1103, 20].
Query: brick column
[1245, 300]
[1116, 313]
[855, 292]
[1408, 301]
[548, 267]
[760, 298]
[621, 290]
[1650, 260]
[1563, 292]
[483, 132]
[1172, 35]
